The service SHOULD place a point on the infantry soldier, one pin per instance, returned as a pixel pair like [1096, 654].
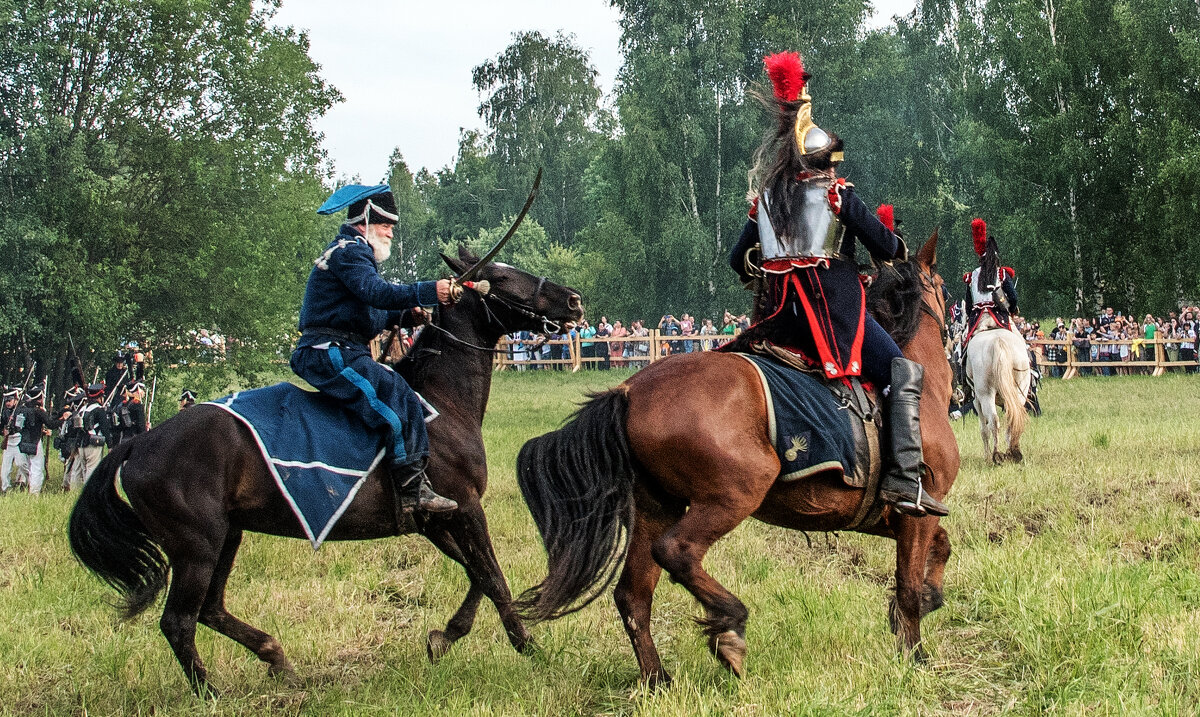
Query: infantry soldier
[94, 432]
[11, 437]
[346, 304]
[70, 432]
[805, 221]
[32, 422]
[187, 399]
[132, 411]
[116, 377]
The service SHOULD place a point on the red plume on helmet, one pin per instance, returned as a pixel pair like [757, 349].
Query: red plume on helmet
[887, 215]
[979, 234]
[786, 71]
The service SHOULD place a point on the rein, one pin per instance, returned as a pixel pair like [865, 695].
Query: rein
[525, 310]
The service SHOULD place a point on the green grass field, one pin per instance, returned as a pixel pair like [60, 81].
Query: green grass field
[1074, 588]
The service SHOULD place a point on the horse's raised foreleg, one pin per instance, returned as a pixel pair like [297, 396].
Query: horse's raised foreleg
[214, 615]
[468, 528]
[634, 594]
[439, 642]
[914, 536]
[681, 550]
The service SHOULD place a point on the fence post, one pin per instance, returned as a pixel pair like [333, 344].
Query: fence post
[1160, 355]
[1071, 370]
[576, 351]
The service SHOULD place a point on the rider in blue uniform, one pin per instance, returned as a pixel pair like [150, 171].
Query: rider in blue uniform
[346, 304]
[804, 226]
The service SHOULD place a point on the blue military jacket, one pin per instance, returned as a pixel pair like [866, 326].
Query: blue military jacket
[345, 291]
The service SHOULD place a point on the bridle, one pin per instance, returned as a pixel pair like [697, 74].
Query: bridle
[929, 281]
[526, 310]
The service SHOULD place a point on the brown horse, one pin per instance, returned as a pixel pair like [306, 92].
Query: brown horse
[653, 472]
[197, 481]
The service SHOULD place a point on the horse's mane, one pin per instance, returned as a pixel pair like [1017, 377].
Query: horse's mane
[894, 299]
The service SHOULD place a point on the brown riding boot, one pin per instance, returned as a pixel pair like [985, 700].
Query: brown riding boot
[411, 484]
[901, 484]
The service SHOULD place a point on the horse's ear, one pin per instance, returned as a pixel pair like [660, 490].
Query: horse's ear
[467, 256]
[928, 253]
[456, 265]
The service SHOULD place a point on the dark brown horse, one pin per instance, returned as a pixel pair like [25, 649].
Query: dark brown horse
[653, 472]
[197, 481]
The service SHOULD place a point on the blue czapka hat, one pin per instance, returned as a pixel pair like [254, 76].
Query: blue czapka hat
[374, 205]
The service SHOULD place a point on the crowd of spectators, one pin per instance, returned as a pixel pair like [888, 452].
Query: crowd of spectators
[682, 334]
[1114, 337]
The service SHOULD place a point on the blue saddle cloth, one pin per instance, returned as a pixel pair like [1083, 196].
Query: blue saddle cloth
[318, 451]
[807, 423]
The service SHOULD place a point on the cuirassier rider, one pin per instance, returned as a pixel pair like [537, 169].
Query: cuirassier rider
[990, 287]
[805, 221]
[346, 304]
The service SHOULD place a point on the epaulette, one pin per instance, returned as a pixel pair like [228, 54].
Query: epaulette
[322, 261]
[753, 213]
[967, 278]
[1009, 272]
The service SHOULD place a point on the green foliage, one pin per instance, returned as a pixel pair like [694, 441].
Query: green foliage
[158, 169]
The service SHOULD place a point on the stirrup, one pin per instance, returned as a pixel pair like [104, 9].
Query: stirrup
[923, 505]
[431, 502]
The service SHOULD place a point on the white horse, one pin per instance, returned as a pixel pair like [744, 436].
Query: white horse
[998, 368]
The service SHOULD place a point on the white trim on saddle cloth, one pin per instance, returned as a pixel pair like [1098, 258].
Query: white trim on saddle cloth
[316, 540]
[771, 430]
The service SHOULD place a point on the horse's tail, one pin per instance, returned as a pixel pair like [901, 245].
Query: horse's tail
[578, 483]
[111, 541]
[1004, 375]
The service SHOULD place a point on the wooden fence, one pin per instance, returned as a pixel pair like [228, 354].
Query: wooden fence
[1143, 354]
[602, 352]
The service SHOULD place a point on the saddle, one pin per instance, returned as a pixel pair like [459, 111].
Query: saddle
[821, 426]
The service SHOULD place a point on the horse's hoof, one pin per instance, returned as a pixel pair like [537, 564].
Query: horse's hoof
[1016, 455]
[730, 649]
[997, 459]
[919, 656]
[285, 674]
[437, 645]
[659, 679]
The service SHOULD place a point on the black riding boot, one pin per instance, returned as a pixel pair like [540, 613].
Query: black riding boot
[901, 484]
[411, 484]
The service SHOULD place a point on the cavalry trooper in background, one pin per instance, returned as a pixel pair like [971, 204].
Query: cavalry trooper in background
[11, 437]
[187, 399]
[32, 422]
[132, 411]
[805, 224]
[94, 431]
[346, 304]
[990, 287]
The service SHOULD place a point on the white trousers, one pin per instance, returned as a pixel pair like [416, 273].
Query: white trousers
[83, 463]
[10, 460]
[34, 467]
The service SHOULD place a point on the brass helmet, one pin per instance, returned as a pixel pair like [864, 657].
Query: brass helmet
[790, 83]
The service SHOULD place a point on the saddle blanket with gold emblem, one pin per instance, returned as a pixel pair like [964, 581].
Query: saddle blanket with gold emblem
[809, 426]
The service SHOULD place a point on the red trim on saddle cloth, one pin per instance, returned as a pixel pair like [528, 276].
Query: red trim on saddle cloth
[803, 275]
[975, 324]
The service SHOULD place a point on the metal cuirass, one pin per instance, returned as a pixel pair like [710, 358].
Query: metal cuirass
[988, 295]
[814, 232]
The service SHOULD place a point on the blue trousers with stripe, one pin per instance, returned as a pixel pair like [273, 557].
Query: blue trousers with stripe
[383, 399]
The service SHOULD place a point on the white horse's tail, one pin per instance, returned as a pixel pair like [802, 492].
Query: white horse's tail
[1010, 392]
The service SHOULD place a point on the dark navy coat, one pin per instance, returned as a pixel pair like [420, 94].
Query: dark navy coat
[345, 291]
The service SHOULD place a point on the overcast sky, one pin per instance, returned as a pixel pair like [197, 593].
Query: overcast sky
[404, 67]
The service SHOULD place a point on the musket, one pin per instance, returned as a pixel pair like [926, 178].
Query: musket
[96, 375]
[77, 369]
[113, 392]
[150, 408]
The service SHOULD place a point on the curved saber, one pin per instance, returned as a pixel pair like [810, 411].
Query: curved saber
[537, 182]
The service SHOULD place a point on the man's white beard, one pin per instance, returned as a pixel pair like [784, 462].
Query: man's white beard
[382, 246]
